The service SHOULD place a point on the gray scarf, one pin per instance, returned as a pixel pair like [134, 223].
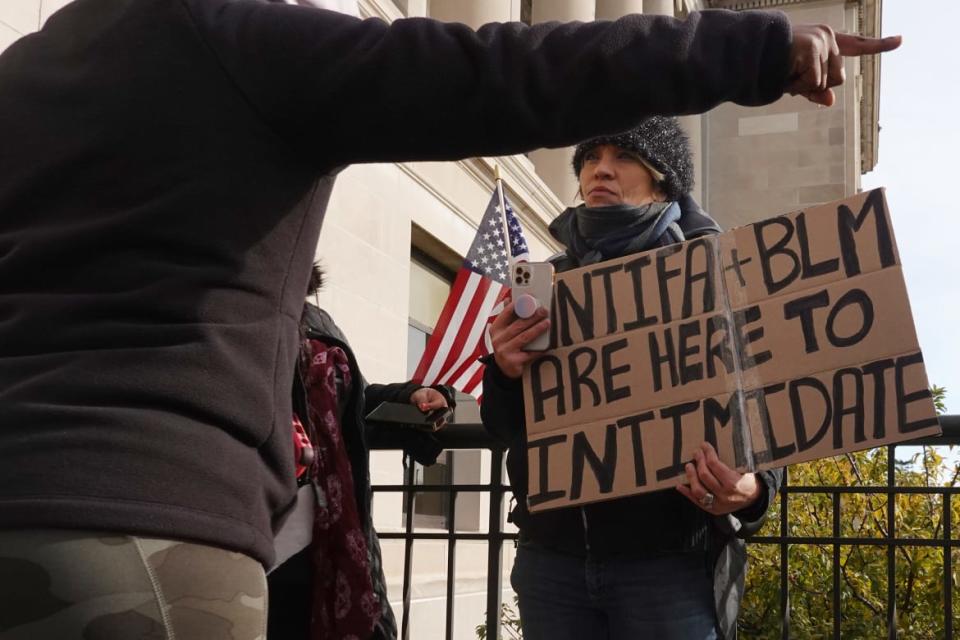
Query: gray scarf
[595, 234]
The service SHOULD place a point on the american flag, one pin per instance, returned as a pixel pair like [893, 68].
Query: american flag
[461, 335]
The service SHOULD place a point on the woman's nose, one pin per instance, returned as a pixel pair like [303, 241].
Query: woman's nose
[603, 167]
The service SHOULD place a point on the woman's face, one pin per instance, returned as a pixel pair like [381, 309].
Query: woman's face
[611, 175]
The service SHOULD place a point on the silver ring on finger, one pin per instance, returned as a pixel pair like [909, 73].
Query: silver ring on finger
[707, 500]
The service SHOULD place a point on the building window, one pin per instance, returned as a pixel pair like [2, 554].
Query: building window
[431, 276]
[430, 283]
[431, 509]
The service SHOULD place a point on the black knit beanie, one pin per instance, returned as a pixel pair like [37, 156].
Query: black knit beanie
[658, 140]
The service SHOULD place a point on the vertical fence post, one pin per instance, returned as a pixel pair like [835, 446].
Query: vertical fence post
[836, 565]
[947, 567]
[451, 554]
[891, 545]
[408, 496]
[495, 545]
[784, 565]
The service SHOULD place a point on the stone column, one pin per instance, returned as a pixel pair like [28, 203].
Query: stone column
[613, 9]
[475, 14]
[415, 9]
[691, 124]
[553, 165]
[658, 7]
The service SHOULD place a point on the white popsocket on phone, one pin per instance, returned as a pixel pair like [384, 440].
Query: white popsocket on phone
[525, 305]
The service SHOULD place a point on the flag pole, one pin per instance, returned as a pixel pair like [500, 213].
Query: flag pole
[503, 221]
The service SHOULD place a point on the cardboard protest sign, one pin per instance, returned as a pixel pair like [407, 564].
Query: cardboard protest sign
[779, 342]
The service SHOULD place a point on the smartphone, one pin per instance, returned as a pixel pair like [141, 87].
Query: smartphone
[408, 415]
[536, 280]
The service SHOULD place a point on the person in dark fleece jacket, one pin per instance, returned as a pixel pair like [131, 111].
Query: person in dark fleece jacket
[667, 564]
[165, 169]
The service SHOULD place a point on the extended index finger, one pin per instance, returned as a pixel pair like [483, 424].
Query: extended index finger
[851, 45]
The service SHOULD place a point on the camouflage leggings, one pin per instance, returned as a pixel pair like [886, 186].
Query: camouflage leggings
[66, 585]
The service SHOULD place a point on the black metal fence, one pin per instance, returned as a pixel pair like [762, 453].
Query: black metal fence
[473, 436]
[459, 436]
[890, 541]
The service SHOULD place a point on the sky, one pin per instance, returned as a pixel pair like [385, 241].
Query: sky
[919, 145]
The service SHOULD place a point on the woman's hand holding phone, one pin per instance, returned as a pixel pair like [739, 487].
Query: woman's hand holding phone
[510, 333]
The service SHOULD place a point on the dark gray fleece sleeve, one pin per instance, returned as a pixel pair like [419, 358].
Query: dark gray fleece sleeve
[423, 89]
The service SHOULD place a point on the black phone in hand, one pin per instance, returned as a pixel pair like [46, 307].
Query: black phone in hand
[406, 414]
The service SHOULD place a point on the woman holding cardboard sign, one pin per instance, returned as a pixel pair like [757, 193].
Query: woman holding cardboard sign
[667, 564]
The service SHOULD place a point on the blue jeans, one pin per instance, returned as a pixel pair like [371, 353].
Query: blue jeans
[564, 597]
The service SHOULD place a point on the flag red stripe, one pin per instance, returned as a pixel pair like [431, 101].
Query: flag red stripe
[470, 319]
[466, 364]
[459, 284]
[480, 349]
[474, 382]
[467, 375]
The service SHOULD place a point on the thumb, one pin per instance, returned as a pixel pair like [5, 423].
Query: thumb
[851, 45]
[432, 399]
[825, 98]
